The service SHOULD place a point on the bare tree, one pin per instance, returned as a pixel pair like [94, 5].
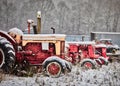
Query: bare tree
[116, 15]
[97, 12]
[62, 14]
[46, 7]
[108, 15]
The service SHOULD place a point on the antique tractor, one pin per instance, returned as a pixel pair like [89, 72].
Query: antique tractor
[111, 47]
[20, 51]
[102, 51]
[85, 53]
[42, 52]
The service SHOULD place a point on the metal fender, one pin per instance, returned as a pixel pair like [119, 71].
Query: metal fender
[88, 63]
[7, 36]
[88, 60]
[65, 64]
[103, 59]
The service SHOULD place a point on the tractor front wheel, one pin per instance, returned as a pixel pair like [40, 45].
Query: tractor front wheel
[53, 69]
[88, 64]
[103, 61]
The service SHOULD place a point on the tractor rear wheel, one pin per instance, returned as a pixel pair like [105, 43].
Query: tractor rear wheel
[88, 64]
[53, 68]
[7, 55]
[2, 57]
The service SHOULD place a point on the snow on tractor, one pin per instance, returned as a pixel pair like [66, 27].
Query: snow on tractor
[109, 39]
[21, 53]
[85, 53]
[25, 50]
[102, 51]
[73, 53]
[111, 47]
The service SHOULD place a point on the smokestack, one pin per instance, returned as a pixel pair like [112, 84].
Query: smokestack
[39, 22]
[53, 30]
[34, 29]
[29, 21]
[83, 37]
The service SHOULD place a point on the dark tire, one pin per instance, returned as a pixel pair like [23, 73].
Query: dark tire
[88, 64]
[7, 55]
[53, 68]
[2, 57]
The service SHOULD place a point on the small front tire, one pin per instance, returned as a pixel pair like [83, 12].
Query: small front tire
[53, 69]
[103, 61]
[88, 64]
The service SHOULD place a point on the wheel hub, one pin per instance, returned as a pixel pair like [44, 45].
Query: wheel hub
[53, 68]
[88, 65]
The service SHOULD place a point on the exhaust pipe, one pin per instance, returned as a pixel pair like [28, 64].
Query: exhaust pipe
[34, 29]
[53, 30]
[39, 22]
[29, 21]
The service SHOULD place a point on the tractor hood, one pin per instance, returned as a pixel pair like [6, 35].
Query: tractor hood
[38, 37]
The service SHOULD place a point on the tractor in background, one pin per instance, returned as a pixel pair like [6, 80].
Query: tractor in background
[85, 53]
[111, 47]
[110, 40]
[101, 49]
[38, 52]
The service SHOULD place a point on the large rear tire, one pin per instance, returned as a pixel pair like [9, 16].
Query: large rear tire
[7, 55]
[2, 57]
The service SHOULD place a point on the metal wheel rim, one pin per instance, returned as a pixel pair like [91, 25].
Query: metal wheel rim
[2, 57]
[53, 69]
[88, 65]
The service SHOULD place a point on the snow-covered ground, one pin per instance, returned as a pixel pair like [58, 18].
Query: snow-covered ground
[105, 76]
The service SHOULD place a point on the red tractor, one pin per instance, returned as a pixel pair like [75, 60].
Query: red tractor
[18, 51]
[43, 52]
[85, 53]
[101, 50]
[112, 48]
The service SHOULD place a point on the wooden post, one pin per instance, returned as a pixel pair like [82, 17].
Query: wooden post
[39, 22]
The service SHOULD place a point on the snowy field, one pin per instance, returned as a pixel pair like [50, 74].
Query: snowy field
[104, 76]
